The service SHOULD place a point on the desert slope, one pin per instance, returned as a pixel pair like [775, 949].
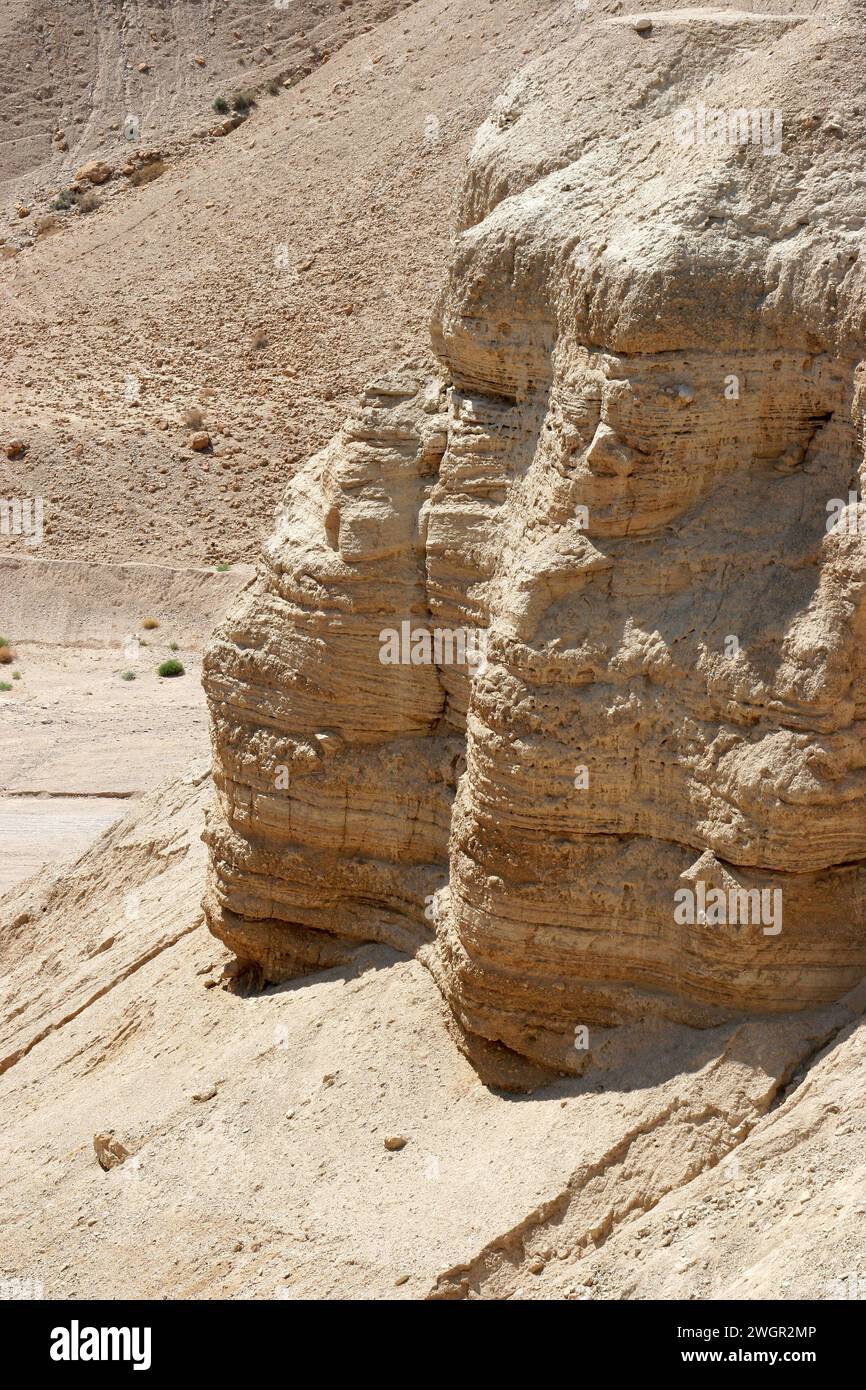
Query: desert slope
[262, 279]
[659, 1173]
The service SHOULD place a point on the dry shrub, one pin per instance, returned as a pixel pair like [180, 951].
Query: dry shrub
[149, 624]
[192, 417]
[7, 656]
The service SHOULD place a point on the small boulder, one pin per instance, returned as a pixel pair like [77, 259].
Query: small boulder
[199, 440]
[110, 1153]
[97, 171]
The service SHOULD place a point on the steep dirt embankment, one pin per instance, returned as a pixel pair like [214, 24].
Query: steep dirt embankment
[261, 280]
[72, 75]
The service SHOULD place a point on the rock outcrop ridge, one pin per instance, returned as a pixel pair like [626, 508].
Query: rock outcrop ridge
[648, 797]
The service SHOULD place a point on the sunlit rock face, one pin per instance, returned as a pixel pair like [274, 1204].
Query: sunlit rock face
[649, 797]
[334, 770]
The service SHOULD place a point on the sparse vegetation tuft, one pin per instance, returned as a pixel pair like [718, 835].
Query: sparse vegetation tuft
[223, 568]
[221, 106]
[171, 668]
[243, 102]
[127, 675]
[67, 198]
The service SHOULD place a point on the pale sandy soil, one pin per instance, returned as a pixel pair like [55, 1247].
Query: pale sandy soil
[34, 829]
[685, 1164]
[72, 725]
[76, 740]
[323, 221]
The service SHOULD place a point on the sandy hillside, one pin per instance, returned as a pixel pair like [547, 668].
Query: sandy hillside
[686, 1164]
[262, 280]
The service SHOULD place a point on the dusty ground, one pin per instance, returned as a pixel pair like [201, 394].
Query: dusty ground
[76, 740]
[685, 1164]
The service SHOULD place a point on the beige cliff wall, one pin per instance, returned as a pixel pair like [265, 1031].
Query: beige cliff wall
[652, 353]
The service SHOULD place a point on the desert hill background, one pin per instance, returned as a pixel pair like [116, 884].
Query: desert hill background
[263, 278]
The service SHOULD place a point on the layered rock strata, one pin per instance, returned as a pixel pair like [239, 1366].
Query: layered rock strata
[649, 797]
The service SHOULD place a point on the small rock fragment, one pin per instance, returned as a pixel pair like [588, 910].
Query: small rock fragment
[109, 1150]
[97, 171]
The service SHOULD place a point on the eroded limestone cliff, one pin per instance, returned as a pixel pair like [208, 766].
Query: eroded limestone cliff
[648, 797]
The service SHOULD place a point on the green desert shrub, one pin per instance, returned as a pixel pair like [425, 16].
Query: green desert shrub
[127, 675]
[67, 198]
[170, 668]
[221, 106]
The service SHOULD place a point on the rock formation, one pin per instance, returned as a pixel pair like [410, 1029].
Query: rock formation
[639, 478]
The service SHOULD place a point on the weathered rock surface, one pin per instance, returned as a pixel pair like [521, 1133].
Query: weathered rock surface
[326, 749]
[652, 352]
